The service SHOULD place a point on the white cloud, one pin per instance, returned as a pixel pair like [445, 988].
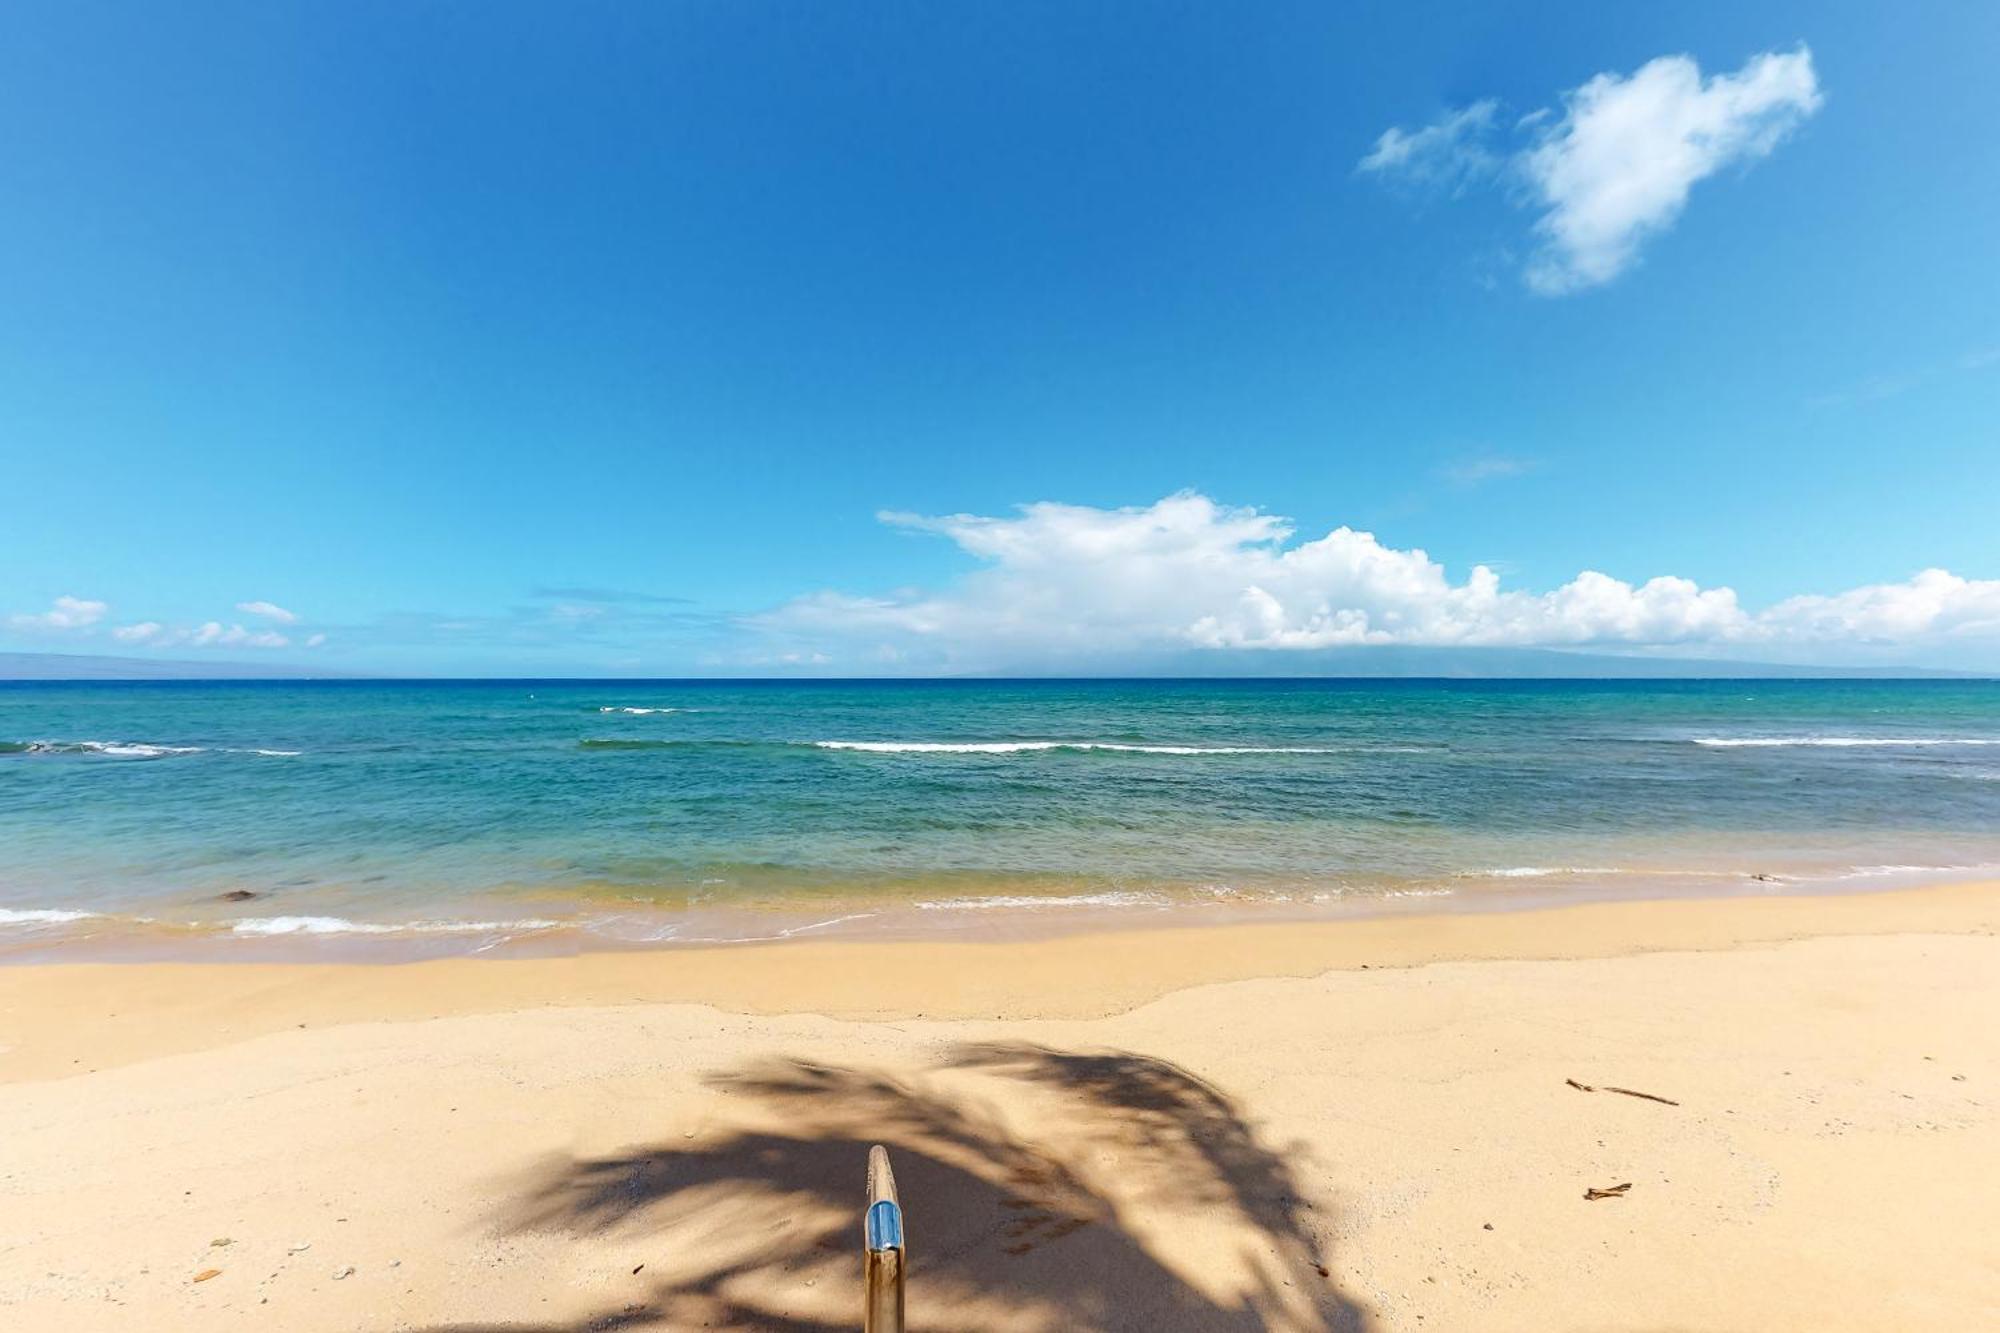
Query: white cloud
[1618, 161]
[142, 632]
[1933, 604]
[214, 635]
[315, 641]
[268, 610]
[1065, 582]
[1447, 153]
[1619, 164]
[65, 613]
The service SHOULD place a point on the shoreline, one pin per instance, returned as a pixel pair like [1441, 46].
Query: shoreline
[178, 1006]
[1370, 1126]
[531, 924]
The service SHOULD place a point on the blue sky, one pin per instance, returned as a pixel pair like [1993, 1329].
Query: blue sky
[501, 338]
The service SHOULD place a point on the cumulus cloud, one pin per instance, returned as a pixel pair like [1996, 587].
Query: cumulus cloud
[268, 610]
[143, 632]
[215, 635]
[65, 613]
[1066, 582]
[1615, 164]
[1619, 164]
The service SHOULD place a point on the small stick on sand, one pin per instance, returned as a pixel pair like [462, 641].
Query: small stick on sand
[1615, 1192]
[1585, 1087]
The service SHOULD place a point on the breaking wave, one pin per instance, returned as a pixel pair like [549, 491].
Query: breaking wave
[334, 925]
[1842, 742]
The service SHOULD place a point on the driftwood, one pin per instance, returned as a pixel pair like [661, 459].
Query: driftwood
[1615, 1192]
[1651, 1097]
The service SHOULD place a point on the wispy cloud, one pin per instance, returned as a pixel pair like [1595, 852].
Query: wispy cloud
[268, 610]
[1616, 163]
[608, 596]
[1479, 468]
[1063, 584]
[1449, 153]
[1874, 388]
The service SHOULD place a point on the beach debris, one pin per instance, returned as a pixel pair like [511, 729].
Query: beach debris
[1489, 1226]
[1628, 1092]
[340, 1274]
[207, 1273]
[636, 1268]
[1614, 1192]
[238, 896]
[219, 1242]
[299, 1248]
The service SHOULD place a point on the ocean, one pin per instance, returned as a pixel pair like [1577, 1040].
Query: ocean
[410, 818]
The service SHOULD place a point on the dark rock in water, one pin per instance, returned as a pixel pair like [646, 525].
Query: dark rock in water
[238, 896]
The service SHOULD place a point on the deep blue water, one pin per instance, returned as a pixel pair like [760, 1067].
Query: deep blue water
[637, 808]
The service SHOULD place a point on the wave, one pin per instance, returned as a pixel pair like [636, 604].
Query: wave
[130, 749]
[1026, 747]
[990, 747]
[1780, 742]
[42, 916]
[1006, 902]
[114, 749]
[334, 925]
[640, 712]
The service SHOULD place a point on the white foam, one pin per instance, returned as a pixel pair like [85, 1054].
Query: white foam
[279, 754]
[641, 712]
[1543, 872]
[1024, 747]
[1778, 742]
[1872, 872]
[116, 749]
[42, 916]
[334, 925]
[1004, 902]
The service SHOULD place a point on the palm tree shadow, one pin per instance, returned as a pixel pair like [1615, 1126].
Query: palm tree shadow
[1010, 1233]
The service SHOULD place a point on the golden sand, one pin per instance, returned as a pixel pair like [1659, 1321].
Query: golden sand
[1370, 1124]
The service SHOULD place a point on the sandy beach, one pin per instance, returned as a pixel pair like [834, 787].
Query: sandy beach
[1371, 1124]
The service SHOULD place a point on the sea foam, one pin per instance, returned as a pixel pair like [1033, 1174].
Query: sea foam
[114, 749]
[1027, 747]
[334, 925]
[41, 916]
[1786, 742]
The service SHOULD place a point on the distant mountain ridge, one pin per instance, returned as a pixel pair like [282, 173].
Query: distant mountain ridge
[1387, 662]
[83, 666]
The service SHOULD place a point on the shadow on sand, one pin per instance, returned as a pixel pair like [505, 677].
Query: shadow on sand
[1053, 1231]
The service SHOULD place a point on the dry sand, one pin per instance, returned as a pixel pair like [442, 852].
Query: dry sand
[1362, 1125]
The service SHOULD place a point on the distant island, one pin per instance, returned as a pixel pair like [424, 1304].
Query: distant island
[84, 666]
[1387, 663]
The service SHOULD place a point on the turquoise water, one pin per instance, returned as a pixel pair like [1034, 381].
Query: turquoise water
[470, 813]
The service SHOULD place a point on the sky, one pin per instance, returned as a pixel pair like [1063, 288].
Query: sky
[769, 338]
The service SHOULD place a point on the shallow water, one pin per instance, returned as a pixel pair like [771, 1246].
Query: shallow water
[464, 814]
